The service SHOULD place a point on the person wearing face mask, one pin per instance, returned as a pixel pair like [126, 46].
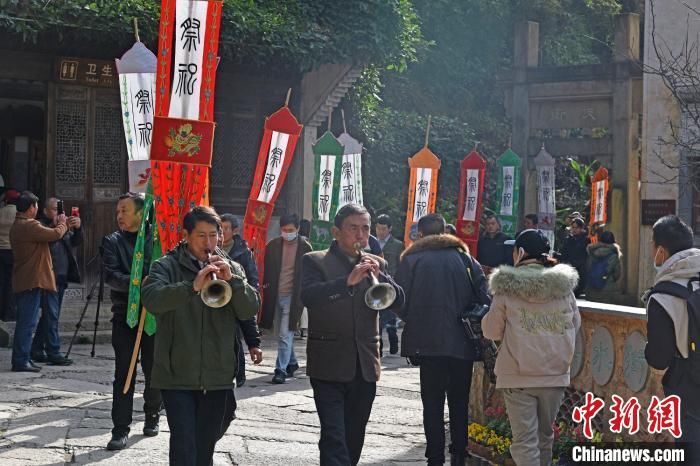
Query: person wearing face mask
[675, 261]
[282, 306]
[534, 315]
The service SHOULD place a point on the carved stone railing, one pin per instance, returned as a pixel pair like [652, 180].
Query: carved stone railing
[609, 360]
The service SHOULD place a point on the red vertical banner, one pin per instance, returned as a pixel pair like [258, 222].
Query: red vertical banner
[183, 128]
[599, 200]
[277, 147]
[472, 171]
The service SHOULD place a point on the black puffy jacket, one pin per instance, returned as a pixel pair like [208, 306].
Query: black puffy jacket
[434, 277]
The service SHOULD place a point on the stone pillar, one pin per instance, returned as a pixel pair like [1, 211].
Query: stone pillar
[526, 55]
[625, 167]
[309, 136]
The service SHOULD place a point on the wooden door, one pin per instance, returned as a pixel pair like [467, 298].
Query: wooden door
[87, 162]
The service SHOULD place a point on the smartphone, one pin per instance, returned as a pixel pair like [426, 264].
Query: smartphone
[60, 208]
[75, 212]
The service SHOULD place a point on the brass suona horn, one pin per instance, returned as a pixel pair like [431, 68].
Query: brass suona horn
[216, 293]
[379, 296]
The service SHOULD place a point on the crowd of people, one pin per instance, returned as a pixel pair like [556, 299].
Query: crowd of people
[196, 358]
[595, 256]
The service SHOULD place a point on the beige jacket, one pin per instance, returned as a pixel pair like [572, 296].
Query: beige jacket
[534, 316]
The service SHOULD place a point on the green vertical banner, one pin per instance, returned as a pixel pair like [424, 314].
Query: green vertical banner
[135, 279]
[508, 192]
[328, 156]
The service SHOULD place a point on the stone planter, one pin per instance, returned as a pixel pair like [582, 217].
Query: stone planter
[488, 454]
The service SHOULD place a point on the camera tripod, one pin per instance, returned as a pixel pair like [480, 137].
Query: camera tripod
[100, 296]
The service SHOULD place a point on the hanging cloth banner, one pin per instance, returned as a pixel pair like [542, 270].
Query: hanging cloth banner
[183, 128]
[350, 186]
[424, 167]
[508, 192]
[328, 157]
[137, 84]
[470, 201]
[279, 140]
[599, 197]
[132, 315]
[546, 195]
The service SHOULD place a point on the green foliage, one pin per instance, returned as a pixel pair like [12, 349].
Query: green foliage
[469, 47]
[302, 34]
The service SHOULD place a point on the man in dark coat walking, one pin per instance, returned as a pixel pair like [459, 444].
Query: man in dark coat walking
[282, 306]
[391, 250]
[343, 347]
[238, 250]
[435, 275]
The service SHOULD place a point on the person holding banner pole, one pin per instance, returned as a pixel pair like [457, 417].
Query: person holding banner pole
[117, 255]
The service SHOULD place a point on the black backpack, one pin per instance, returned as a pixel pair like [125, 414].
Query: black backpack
[691, 366]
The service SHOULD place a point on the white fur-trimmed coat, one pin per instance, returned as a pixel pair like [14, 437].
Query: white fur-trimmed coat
[534, 315]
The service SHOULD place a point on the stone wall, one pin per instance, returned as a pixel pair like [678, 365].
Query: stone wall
[601, 366]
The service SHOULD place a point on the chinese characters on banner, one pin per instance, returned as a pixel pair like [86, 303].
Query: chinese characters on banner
[422, 193]
[275, 155]
[275, 162]
[508, 193]
[662, 415]
[471, 195]
[422, 190]
[328, 176]
[137, 79]
[546, 200]
[470, 201]
[350, 175]
[190, 21]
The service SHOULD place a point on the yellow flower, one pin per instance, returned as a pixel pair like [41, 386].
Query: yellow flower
[136, 281]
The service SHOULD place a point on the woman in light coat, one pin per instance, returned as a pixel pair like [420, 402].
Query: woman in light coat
[534, 316]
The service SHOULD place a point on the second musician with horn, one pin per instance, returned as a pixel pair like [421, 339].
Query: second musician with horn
[343, 344]
[195, 347]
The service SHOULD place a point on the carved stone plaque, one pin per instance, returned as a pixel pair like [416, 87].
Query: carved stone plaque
[577, 363]
[602, 355]
[634, 365]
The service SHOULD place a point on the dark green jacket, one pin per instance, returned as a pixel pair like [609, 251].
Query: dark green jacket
[195, 344]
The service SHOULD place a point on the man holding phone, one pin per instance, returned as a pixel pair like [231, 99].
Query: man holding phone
[46, 344]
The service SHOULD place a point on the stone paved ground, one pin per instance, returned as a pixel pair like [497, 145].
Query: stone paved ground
[62, 416]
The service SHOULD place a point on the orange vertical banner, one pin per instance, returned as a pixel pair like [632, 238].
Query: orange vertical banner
[422, 190]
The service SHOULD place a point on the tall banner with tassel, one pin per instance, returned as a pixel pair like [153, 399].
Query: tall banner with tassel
[328, 157]
[424, 167]
[137, 85]
[183, 128]
[599, 199]
[508, 191]
[471, 199]
[279, 140]
[546, 195]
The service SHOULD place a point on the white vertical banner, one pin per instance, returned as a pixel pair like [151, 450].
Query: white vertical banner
[325, 186]
[508, 189]
[138, 103]
[275, 161]
[424, 177]
[600, 200]
[190, 28]
[546, 199]
[350, 189]
[471, 197]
